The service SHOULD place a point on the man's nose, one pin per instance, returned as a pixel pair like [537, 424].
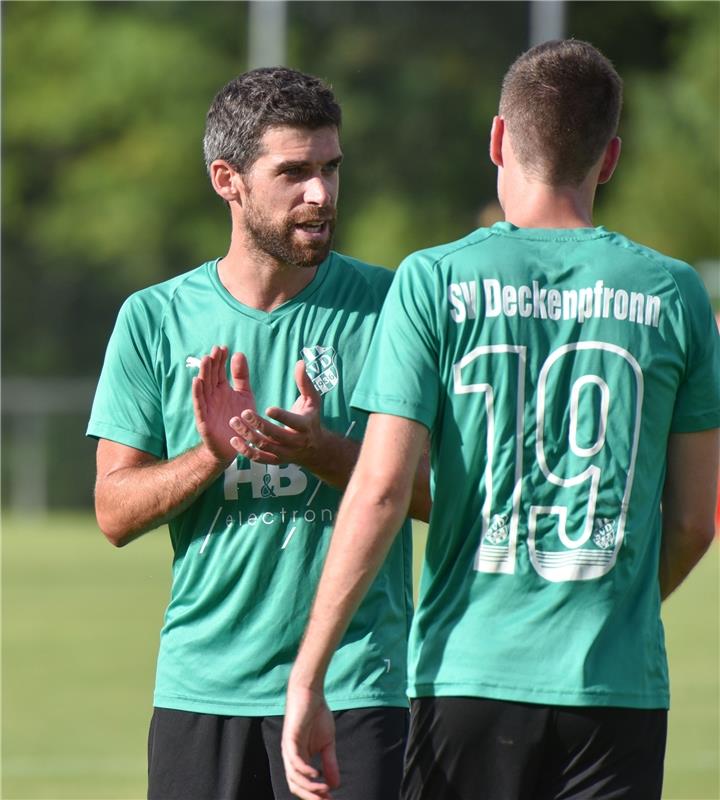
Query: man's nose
[318, 191]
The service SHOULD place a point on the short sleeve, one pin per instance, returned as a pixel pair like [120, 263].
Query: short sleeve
[697, 406]
[400, 375]
[127, 407]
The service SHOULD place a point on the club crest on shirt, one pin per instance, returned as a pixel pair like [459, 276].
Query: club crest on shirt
[604, 532]
[497, 531]
[321, 366]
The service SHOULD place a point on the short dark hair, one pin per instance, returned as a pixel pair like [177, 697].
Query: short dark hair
[260, 99]
[561, 104]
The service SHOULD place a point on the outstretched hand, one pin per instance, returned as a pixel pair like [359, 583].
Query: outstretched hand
[309, 730]
[215, 401]
[298, 439]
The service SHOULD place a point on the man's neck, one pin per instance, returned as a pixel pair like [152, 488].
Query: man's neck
[532, 204]
[259, 281]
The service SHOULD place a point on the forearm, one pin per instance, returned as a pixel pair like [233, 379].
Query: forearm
[689, 498]
[333, 462]
[131, 500]
[373, 509]
[365, 528]
[680, 552]
[420, 500]
[332, 459]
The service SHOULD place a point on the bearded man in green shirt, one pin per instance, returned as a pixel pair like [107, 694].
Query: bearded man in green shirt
[250, 507]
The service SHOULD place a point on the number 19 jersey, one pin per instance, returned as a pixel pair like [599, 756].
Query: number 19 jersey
[550, 367]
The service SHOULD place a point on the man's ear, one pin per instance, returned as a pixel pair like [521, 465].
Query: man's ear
[225, 181]
[496, 138]
[610, 159]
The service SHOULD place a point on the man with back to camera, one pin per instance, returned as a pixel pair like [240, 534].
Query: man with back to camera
[250, 518]
[570, 382]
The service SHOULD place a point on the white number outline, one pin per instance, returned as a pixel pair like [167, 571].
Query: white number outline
[574, 563]
[490, 558]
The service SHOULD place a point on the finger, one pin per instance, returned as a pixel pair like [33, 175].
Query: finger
[271, 432]
[304, 779]
[308, 794]
[215, 354]
[249, 430]
[205, 369]
[240, 373]
[303, 771]
[198, 399]
[304, 383]
[251, 444]
[222, 368]
[253, 453]
[314, 793]
[297, 422]
[330, 769]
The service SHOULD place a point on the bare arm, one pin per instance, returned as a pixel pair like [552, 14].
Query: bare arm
[372, 510]
[136, 492]
[689, 498]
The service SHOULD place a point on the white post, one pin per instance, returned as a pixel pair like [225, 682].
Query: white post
[547, 21]
[267, 33]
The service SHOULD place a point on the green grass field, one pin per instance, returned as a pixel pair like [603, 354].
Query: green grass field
[80, 625]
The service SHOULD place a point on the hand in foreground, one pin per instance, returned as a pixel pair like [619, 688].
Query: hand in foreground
[308, 730]
[215, 401]
[297, 440]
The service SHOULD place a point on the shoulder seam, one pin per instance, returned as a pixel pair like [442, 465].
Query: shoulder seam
[657, 260]
[461, 245]
[168, 302]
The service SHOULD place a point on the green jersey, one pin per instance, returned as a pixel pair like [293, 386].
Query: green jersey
[248, 552]
[550, 366]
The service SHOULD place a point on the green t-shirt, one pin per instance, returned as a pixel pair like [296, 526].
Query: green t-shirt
[550, 367]
[248, 553]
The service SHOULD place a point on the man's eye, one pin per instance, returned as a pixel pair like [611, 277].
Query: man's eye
[293, 172]
[329, 169]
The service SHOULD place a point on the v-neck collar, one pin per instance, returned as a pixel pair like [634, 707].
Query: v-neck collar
[277, 312]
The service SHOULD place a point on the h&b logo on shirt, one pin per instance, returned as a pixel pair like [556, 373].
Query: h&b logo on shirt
[266, 480]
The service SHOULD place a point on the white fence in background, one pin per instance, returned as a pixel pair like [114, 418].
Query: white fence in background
[28, 408]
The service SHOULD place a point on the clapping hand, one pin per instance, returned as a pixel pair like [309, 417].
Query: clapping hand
[215, 402]
[298, 439]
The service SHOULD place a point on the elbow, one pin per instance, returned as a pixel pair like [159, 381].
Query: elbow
[389, 502]
[420, 508]
[702, 535]
[113, 528]
[117, 536]
[117, 525]
[698, 534]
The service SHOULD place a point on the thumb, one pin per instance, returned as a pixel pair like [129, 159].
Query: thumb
[330, 769]
[240, 373]
[304, 382]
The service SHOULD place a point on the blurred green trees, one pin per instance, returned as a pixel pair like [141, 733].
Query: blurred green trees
[667, 189]
[103, 179]
[103, 184]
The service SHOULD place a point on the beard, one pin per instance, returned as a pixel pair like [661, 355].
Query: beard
[278, 239]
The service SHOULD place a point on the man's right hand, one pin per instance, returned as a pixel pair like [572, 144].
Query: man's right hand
[309, 730]
[215, 402]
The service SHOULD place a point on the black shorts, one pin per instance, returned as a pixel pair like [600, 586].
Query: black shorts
[468, 748]
[207, 757]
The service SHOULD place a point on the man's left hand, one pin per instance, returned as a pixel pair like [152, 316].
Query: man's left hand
[298, 439]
